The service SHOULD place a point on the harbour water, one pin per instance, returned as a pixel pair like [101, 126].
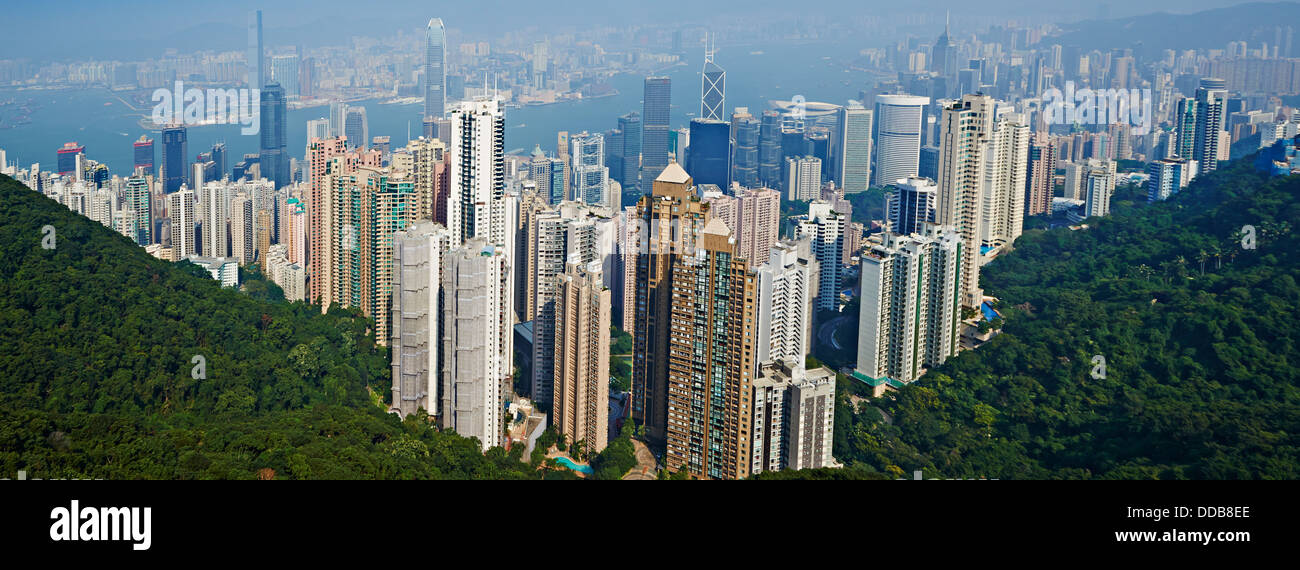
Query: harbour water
[756, 74]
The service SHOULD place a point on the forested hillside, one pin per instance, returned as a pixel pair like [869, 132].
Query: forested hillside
[97, 348]
[1198, 336]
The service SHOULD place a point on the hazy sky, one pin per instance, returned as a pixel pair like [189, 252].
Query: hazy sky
[87, 28]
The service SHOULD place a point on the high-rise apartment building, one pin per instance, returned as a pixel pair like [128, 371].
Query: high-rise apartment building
[472, 400]
[429, 165]
[241, 228]
[910, 313]
[1097, 186]
[711, 360]
[758, 223]
[1211, 141]
[966, 127]
[139, 201]
[1167, 176]
[793, 417]
[476, 206]
[803, 180]
[668, 220]
[1040, 186]
[415, 336]
[784, 305]
[1005, 177]
[581, 356]
[569, 232]
[826, 228]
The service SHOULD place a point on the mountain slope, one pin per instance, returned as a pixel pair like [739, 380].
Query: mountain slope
[97, 348]
[1198, 336]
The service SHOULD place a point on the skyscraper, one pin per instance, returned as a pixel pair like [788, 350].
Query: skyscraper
[318, 129]
[1211, 141]
[144, 154]
[803, 178]
[590, 176]
[1040, 186]
[943, 56]
[711, 364]
[581, 356]
[356, 128]
[851, 148]
[338, 118]
[256, 55]
[68, 156]
[1005, 175]
[656, 116]
[273, 155]
[284, 71]
[965, 130]
[671, 204]
[435, 69]
[175, 164]
[898, 136]
[909, 203]
[708, 159]
[180, 210]
[769, 150]
[630, 124]
[745, 156]
[139, 201]
[477, 204]
[826, 228]
[784, 303]
[570, 232]
[416, 337]
[713, 90]
[758, 222]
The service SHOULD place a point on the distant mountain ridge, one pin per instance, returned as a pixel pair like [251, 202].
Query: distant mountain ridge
[1150, 34]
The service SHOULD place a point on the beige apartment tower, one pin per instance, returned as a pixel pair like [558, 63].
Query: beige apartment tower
[581, 394]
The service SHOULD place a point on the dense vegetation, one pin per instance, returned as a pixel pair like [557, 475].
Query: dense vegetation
[98, 347]
[1198, 335]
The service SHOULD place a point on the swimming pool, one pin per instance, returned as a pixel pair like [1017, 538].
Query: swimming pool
[584, 469]
[989, 313]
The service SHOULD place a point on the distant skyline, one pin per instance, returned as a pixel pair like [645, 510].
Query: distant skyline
[139, 28]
